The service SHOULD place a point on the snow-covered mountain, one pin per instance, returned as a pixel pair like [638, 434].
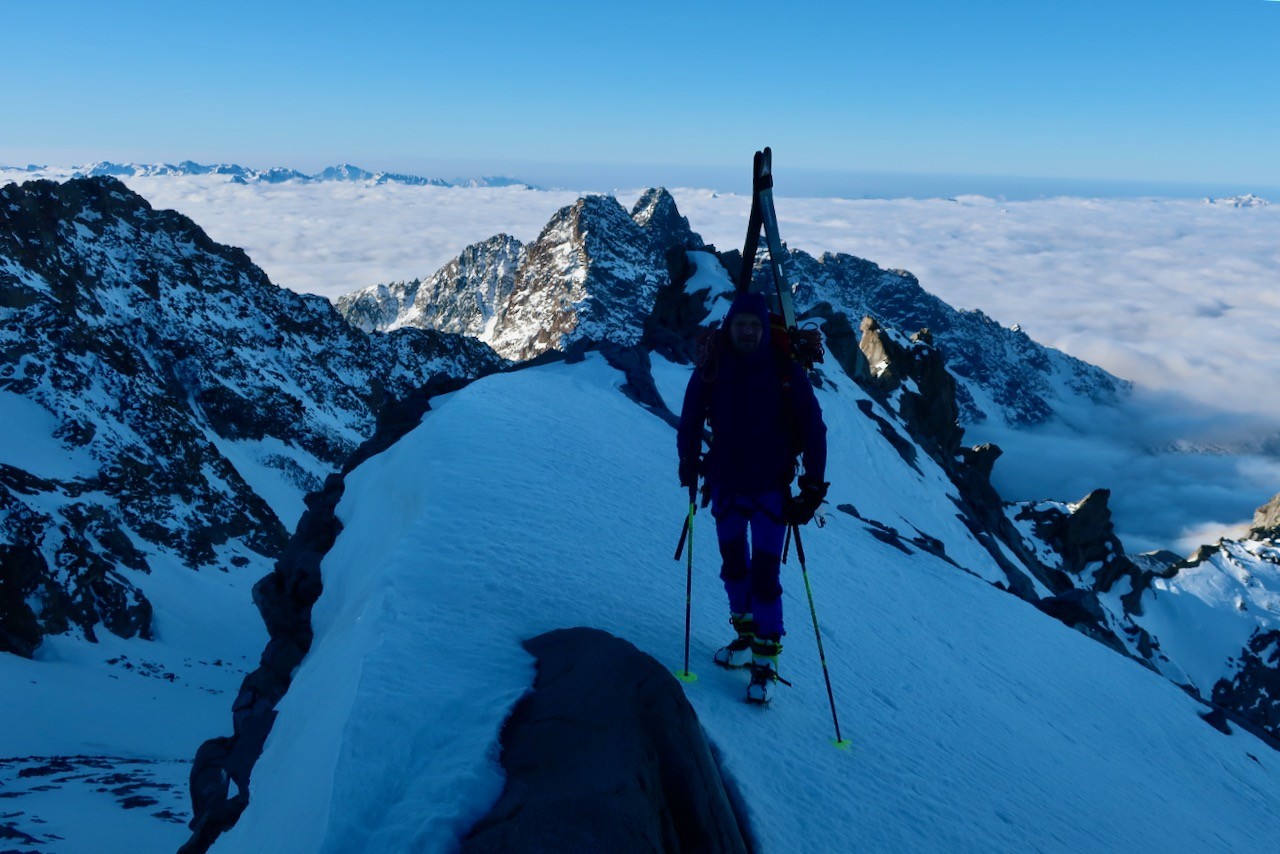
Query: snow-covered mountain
[533, 501]
[277, 174]
[274, 175]
[591, 273]
[163, 400]
[1249, 200]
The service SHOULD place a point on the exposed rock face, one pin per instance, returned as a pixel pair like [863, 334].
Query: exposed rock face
[606, 754]
[463, 297]
[1266, 520]
[913, 373]
[1252, 693]
[657, 215]
[1206, 623]
[591, 275]
[136, 355]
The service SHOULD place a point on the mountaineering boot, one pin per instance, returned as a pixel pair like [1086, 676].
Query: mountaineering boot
[764, 669]
[738, 653]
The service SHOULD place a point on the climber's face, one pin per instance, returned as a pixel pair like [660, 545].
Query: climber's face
[745, 331]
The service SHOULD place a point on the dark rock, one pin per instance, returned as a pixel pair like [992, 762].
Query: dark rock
[1074, 607]
[1252, 695]
[1266, 520]
[905, 448]
[1159, 562]
[840, 339]
[1217, 719]
[606, 754]
[24, 582]
[672, 327]
[635, 364]
[980, 461]
[133, 802]
[927, 403]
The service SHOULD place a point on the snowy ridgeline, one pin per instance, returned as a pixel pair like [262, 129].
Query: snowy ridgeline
[546, 499]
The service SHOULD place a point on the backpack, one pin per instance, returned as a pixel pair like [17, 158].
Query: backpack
[802, 346]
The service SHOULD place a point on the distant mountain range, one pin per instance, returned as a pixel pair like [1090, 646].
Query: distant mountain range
[275, 175]
[1248, 200]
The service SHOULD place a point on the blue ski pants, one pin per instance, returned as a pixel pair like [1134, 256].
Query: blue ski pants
[750, 529]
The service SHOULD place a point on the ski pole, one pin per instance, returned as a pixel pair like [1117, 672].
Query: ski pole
[841, 743]
[685, 675]
[684, 535]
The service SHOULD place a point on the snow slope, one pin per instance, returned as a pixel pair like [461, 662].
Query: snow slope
[545, 499]
[86, 727]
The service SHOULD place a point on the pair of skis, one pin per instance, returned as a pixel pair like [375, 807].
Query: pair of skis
[764, 216]
[805, 344]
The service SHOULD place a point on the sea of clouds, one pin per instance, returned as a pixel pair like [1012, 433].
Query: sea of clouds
[1179, 295]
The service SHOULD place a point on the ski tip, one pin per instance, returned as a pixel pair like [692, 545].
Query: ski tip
[842, 744]
[686, 676]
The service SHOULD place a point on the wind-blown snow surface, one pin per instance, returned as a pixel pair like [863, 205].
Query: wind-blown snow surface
[540, 499]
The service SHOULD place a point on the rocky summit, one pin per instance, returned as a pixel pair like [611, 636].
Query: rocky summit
[590, 276]
[162, 395]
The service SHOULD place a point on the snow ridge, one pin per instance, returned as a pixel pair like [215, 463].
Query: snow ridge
[943, 680]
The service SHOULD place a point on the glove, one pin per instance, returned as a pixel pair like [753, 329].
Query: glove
[800, 508]
[689, 472]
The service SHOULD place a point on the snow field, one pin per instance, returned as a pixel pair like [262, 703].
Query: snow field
[129, 703]
[546, 499]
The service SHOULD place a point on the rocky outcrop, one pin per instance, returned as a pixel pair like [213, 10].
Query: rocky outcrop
[606, 754]
[665, 227]
[914, 375]
[1266, 520]
[1022, 378]
[464, 297]
[1205, 623]
[592, 275]
[1086, 553]
[137, 357]
[1252, 693]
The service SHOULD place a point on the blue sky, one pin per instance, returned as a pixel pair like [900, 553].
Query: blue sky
[1142, 91]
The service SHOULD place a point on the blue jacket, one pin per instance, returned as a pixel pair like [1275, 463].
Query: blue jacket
[757, 428]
